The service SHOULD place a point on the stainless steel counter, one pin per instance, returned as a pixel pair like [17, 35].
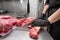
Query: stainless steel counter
[20, 34]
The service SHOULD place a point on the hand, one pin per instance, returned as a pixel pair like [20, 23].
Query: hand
[40, 22]
[41, 16]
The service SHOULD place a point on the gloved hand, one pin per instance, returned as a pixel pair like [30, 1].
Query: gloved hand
[41, 16]
[40, 22]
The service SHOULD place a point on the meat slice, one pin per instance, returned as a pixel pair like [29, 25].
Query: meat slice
[5, 26]
[1, 27]
[24, 21]
[12, 21]
[20, 21]
[5, 17]
[34, 32]
[30, 27]
[28, 20]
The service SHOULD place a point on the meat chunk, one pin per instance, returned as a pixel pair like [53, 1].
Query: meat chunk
[5, 17]
[28, 20]
[34, 32]
[20, 21]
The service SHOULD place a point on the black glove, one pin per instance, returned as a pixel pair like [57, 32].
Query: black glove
[40, 22]
[41, 16]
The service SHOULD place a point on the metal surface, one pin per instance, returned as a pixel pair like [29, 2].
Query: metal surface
[14, 7]
[40, 7]
[20, 34]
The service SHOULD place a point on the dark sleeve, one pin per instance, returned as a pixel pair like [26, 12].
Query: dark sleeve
[47, 2]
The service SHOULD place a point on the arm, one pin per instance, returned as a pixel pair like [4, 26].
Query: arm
[42, 15]
[55, 16]
[45, 8]
[50, 20]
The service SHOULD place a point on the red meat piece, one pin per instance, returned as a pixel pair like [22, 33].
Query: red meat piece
[30, 27]
[28, 21]
[5, 17]
[6, 25]
[13, 21]
[20, 21]
[1, 27]
[34, 32]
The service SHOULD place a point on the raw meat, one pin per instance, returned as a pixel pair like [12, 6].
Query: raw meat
[13, 21]
[28, 20]
[20, 21]
[5, 17]
[5, 26]
[34, 32]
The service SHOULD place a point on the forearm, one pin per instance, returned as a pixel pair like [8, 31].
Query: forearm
[45, 8]
[55, 16]
[42, 15]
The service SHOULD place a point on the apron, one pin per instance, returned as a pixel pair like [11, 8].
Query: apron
[53, 29]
